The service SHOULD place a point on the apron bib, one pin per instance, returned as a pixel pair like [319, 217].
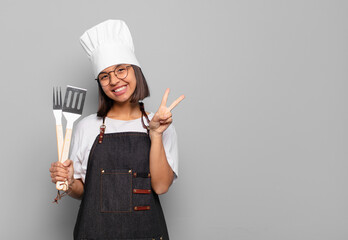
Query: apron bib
[118, 201]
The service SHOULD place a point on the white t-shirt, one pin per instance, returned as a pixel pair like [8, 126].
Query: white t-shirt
[88, 128]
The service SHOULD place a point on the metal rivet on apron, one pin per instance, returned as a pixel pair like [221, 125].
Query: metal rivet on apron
[130, 171]
[102, 171]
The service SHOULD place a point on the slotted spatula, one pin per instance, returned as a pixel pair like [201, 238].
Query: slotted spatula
[72, 110]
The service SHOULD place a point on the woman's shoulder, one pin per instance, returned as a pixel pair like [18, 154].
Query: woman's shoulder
[90, 119]
[88, 122]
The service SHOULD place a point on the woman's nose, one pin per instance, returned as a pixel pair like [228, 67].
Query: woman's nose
[113, 79]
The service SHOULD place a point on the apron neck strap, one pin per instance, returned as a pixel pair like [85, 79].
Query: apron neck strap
[143, 113]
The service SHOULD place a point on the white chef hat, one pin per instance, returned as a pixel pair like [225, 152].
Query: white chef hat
[109, 43]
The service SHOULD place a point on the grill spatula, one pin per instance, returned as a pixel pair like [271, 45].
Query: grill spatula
[72, 110]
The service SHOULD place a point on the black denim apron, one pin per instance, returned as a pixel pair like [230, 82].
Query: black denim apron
[118, 201]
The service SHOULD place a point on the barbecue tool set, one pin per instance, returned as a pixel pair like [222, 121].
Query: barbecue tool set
[72, 110]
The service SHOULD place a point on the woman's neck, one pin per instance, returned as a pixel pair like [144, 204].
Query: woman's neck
[124, 111]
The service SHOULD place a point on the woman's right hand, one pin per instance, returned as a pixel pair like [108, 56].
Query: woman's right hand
[62, 171]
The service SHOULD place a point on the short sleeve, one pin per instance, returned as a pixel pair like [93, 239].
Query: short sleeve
[75, 152]
[170, 144]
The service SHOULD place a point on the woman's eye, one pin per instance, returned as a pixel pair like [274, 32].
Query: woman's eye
[103, 77]
[120, 70]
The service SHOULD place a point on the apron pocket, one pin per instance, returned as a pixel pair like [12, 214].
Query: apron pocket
[116, 190]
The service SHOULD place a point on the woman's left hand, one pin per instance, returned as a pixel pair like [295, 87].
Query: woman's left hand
[163, 117]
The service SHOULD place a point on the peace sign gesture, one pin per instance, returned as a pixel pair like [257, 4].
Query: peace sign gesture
[163, 117]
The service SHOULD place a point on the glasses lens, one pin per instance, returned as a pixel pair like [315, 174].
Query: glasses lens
[104, 79]
[121, 71]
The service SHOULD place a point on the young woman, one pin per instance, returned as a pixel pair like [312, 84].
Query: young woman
[119, 164]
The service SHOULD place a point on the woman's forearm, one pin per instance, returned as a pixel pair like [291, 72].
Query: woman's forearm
[161, 172]
[76, 189]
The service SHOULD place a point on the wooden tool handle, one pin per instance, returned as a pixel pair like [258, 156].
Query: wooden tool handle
[60, 185]
[66, 147]
[59, 133]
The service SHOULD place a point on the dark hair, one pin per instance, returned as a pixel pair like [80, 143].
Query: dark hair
[141, 92]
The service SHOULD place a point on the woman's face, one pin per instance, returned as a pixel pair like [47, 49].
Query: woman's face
[120, 90]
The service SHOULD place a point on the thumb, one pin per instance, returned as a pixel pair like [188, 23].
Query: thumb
[67, 163]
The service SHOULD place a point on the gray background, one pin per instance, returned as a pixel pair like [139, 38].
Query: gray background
[262, 132]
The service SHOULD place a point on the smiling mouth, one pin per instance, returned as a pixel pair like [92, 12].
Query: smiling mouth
[120, 89]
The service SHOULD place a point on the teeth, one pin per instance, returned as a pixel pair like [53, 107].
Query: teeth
[120, 89]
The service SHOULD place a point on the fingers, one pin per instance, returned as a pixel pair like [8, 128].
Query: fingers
[67, 163]
[176, 102]
[169, 120]
[59, 176]
[161, 114]
[165, 97]
[165, 116]
[58, 172]
[57, 166]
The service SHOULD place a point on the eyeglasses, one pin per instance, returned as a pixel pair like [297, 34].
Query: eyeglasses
[120, 72]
